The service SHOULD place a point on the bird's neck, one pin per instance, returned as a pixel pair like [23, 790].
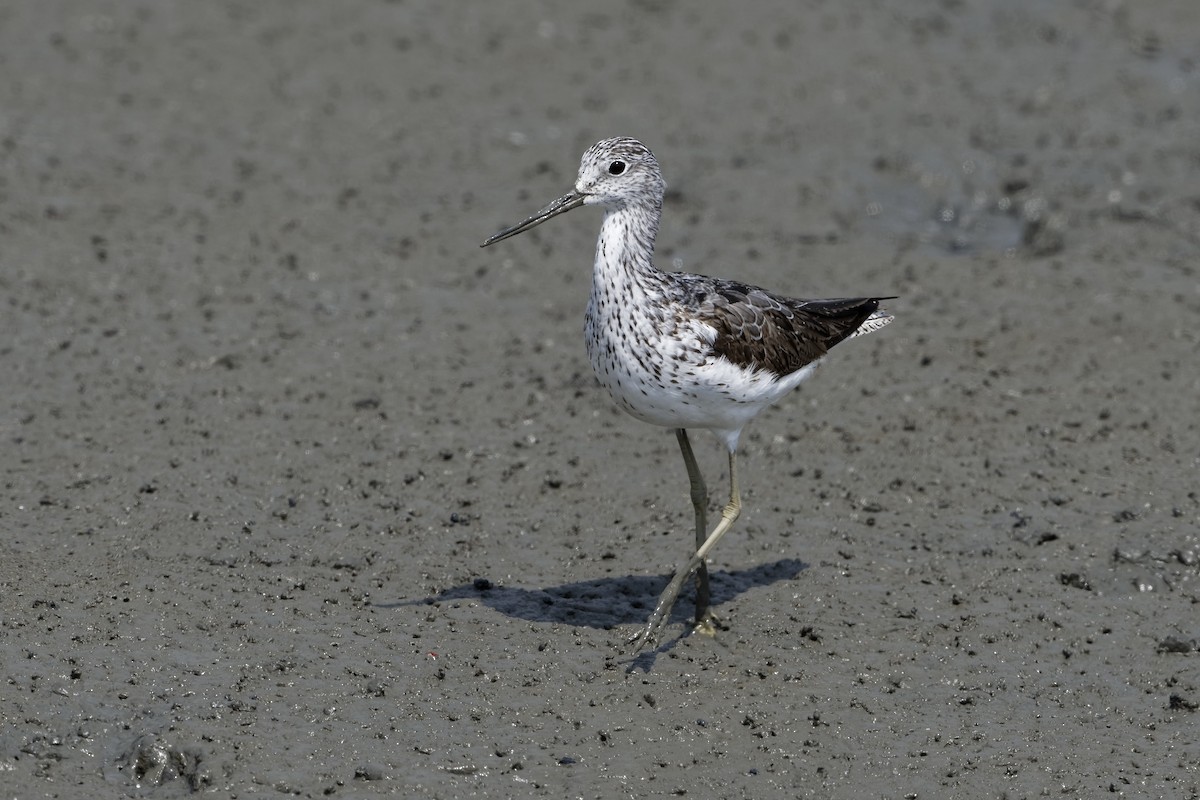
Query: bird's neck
[626, 244]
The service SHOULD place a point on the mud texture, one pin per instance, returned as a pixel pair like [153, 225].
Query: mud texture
[302, 493]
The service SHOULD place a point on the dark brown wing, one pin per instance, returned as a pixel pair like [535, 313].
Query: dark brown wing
[758, 329]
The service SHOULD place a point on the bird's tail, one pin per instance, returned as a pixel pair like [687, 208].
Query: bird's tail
[873, 323]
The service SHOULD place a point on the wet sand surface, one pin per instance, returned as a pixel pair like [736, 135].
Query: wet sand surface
[305, 494]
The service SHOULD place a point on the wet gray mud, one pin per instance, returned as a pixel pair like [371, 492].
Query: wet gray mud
[305, 494]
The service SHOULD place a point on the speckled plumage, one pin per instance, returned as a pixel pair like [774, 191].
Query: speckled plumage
[684, 350]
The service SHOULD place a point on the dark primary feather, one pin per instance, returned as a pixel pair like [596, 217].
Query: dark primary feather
[759, 329]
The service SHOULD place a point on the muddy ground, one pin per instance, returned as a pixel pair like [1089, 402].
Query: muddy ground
[305, 494]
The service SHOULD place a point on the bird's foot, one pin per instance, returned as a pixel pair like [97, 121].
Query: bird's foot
[643, 637]
[648, 633]
[709, 624]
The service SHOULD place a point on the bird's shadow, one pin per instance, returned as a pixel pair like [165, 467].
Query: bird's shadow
[605, 602]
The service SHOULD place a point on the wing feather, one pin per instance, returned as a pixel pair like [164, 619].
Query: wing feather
[757, 329]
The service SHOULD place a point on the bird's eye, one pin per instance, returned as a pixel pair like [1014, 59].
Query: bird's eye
[616, 168]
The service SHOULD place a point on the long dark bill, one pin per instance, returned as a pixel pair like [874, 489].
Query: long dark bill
[562, 205]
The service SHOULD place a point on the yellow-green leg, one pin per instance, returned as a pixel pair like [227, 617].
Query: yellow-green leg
[666, 601]
[700, 507]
